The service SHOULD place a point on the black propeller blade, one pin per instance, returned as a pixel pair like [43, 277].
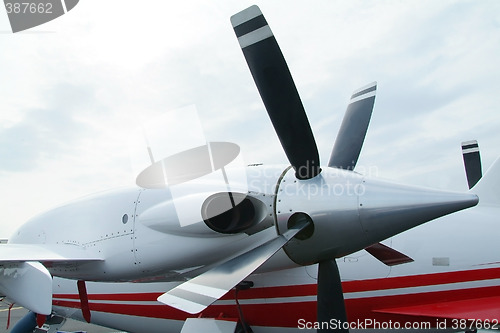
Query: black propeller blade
[352, 132]
[472, 162]
[283, 104]
[278, 91]
[330, 303]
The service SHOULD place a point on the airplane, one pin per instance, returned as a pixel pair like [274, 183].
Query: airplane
[291, 248]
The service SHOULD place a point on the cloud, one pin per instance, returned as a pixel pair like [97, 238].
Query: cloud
[71, 97]
[48, 131]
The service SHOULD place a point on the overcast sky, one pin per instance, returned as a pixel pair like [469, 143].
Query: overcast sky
[73, 91]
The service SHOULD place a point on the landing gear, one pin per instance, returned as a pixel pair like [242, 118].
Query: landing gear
[242, 326]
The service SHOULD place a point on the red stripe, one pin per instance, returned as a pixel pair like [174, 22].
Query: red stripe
[421, 280]
[274, 292]
[265, 314]
[373, 284]
[484, 309]
[310, 289]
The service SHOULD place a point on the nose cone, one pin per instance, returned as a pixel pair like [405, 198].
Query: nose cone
[386, 209]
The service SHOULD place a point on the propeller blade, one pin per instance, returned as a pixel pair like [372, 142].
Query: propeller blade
[472, 162]
[277, 90]
[352, 132]
[330, 305]
[197, 294]
[388, 255]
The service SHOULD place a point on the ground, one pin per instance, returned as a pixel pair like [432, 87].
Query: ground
[70, 326]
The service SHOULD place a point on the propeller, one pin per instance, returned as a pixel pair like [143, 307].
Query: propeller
[282, 101]
[277, 90]
[309, 229]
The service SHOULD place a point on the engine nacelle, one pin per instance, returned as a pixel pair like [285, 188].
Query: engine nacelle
[349, 212]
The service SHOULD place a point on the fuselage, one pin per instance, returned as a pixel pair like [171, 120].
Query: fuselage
[146, 254]
[448, 266]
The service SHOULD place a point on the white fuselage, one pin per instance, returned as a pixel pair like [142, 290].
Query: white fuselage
[148, 249]
[459, 259]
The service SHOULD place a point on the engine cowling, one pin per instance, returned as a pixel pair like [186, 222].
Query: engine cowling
[349, 212]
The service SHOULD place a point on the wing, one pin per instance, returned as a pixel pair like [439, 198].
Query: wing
[61, 254]
[24, 277]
